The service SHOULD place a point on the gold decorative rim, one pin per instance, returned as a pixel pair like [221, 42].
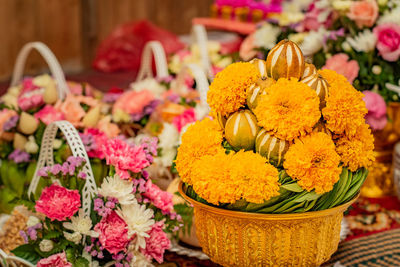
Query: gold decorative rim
[266, 216]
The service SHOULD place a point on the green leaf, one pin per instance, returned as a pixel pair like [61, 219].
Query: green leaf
[293, 187]
[27, 252]
[81, 262]
[52, 234]
[310, 196]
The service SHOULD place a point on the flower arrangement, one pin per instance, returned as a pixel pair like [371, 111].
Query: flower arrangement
[128, 223]
[285, 138]
[25, 111]
[358, 39]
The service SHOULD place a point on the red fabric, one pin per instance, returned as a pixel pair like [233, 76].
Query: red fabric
[122, 49]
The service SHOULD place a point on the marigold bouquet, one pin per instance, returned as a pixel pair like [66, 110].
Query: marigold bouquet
[129, 218]
[285, 138]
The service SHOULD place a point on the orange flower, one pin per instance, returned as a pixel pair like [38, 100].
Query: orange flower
[289, 110]
[357, 151]
[345, 109]
[313, 161]
[228, 91]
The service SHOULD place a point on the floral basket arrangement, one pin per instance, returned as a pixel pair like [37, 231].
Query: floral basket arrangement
[32, 103]
[284, 157]
[124, 222]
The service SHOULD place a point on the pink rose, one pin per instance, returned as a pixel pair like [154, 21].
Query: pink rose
[72, 109]
[376, 106]
[125, 157]
[161, 199]
[59, 260]
[388, 45]
[133, 102]
[31, 96]
[77, 88]
[49, 114]
[156, 243]
[188, 116]
[113, 233]
[58, 203]
[364, 13]
[342, 65]
[247, 48]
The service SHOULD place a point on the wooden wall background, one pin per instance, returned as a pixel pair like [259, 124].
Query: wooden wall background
[74, 28]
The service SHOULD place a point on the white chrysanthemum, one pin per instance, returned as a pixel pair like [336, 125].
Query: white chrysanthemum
[117, 188]
[150, 85]
[31, 147]
[169, 136]
[266, 36]
[167, 157]
[81, 224]
[32, 221]
[46, 245]
[365, 41]
[139, 221]
[140, 260]
[390, 16]
[312, 43]
[75, 237]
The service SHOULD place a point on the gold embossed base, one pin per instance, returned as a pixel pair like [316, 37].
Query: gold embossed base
[233, 238]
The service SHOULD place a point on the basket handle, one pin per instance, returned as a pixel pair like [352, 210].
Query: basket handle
[51, 61]
[200, 78]
[199, 36]
[13, 261]
[156, 49]
[78, 150]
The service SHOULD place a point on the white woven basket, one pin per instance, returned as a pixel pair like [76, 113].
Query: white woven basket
[152, 48]
[51, 60]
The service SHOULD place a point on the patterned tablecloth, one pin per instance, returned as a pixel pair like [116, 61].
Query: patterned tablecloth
[374, 238]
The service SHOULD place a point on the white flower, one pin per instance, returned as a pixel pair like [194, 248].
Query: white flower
[46, 245]
[341, 5]
[57, 143]
[346, 46]
[169, 136]
[382, 2]
[150, 85]
[390, 16]
[89, 258]
[312, 43]
[266, 36]
[167, 157]
[31, 147]
[117, 188]
[32, 221]
[81, 224]
[140, 260]
[139, 221]
[376, 69]
[365, 41]
[75, 237]
[298, 38]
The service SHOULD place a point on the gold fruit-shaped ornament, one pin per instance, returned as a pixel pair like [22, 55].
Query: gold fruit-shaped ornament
[256, 90]
[285, 60]
[260, 65]
[241, 130]
[320, 86]
[272, 148]
[309, 69]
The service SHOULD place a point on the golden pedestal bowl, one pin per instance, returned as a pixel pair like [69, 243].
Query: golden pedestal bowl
[233, 238]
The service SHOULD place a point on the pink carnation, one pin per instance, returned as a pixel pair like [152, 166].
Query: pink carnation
[100, 139]
[342, 65]
[133, 102]
[124, 157]
[31, 96]
[376, 106]
[58, 203]
[59, 260]
[113, 233]
[156, 243]
[188, 116]
[49, 114]
[388, 45]
[161, 199]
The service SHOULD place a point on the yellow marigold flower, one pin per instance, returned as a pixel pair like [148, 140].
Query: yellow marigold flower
[357, 151]
[289, 109]
[222, 178]
[313, 161]
[345, 108]
[202, 138]
[228, 91]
